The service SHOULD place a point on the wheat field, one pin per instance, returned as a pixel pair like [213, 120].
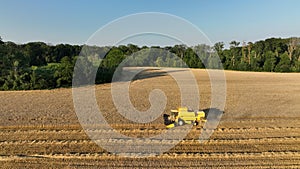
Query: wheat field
[260, 127]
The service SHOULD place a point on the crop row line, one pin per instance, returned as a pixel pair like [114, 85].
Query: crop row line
[141, 129]
[149, 140]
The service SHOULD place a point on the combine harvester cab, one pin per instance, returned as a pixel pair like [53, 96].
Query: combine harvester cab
[183, 116]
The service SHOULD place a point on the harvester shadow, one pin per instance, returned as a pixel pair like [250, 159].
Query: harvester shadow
[213, 113]
[145, 74]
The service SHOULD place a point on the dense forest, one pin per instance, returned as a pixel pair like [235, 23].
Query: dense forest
[37, 65]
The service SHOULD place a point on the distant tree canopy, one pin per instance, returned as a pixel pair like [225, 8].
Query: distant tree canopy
[37, 65]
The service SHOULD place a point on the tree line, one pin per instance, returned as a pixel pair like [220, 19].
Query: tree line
[37, 65]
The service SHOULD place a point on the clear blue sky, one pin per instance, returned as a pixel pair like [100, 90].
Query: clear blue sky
[74, 21]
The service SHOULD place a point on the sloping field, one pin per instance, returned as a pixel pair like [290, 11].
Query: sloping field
[259, 129]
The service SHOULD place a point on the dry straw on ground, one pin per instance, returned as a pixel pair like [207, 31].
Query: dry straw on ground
[260, 127]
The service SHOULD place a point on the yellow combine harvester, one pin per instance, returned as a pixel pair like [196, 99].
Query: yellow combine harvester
[183, 116]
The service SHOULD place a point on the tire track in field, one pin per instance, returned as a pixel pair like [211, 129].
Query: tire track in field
[165, 155]
[192, 146]
[225, 140]
[219, 134]
[145, 129]
[167, 160]
[147, 140]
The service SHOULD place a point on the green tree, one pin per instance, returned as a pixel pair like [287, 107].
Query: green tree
[113, 58]
[234, 53]
[297, 66]
[191, 59]
[1, 42]
[203, 52]
[33, 78]
[85, 71]
[284, 64]
[218, 47]
[64, 73]
[270, 62]
[44, 76]
[159, 62]
[179, 50]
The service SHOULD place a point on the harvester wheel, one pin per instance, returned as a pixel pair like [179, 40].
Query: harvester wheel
[180, 122]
